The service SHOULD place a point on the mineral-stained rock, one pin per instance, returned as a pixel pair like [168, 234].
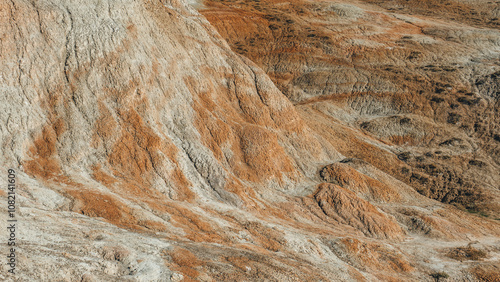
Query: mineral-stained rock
[395, 71]
[154, 143]
[346, 176]
[345, 207]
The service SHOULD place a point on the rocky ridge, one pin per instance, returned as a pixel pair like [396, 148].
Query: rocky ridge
[148, 149]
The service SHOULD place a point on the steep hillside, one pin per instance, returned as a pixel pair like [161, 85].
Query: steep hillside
[417, 85]
[147, 149]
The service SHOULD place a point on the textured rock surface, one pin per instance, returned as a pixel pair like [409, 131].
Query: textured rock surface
[148, 149]
[419, 82]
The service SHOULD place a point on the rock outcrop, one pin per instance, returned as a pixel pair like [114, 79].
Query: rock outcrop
[419, 82]
[346, 208]
[256, 141]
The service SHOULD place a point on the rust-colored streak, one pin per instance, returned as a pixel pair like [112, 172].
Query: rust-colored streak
[139, 153]
[43, 162]
[185, 262]
[96, 204]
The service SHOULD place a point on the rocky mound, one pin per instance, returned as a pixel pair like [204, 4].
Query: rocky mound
[346, 208]
[419, 82]
[152, 144]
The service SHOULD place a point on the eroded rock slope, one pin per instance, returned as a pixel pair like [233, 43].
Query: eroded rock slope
[413, 86]
[147, 149]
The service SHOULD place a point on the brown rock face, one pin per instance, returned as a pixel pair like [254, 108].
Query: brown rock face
[254, 141]
[346, 208]
[397, 72]
[346, 176]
